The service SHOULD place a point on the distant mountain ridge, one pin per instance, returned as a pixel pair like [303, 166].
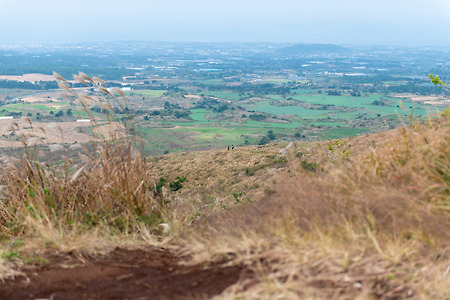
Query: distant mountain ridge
[311, 49]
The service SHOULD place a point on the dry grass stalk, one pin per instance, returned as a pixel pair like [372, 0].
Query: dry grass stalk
[108, 188]
[358, 230]
[370, 225]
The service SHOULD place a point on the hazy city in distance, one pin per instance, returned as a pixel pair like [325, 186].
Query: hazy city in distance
[382, 22]
[224, 149]
[325, 69]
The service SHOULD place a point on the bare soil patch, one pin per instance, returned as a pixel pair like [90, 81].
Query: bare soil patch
[62, 132]
[123, 274]
[434, 100]
[29, 77]
[33, 99]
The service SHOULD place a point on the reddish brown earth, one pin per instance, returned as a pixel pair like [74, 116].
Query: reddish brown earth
[122, 274]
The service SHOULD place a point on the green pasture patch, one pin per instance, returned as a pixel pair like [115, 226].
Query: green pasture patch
[43, 107]
[364, 104]
[83, 114]
[268, 125]
[224, 95]
[9, 109]
[419, 109]
[161, 136]
[12, 91]
[199, 115]
[373, 110]
[290, 110]
[324, 99]
[197, 137]
[214, 130]
[6, 91]
[218, 134]
[16, 106]
[182, 124]
[30, 106]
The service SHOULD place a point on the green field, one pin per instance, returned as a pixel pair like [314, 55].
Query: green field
[201, 133]
[323, 99]
[363, 105]
[196, 137]
[13, 91]
[198, 115]
[25, 108]
[206, 129]
[269, 125]
[289, 110]
[30, 106]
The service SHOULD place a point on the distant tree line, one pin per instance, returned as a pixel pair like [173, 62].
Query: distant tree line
[415, 89]
[41, 85]
[258, 117]
[264, 88]
[334, 93]
[170, 110]
[213, 104]
[270, 136]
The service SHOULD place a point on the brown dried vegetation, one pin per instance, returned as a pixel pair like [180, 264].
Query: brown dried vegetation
[375, 225]
[363, 218]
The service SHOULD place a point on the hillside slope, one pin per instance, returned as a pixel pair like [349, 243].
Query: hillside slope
[364, 217]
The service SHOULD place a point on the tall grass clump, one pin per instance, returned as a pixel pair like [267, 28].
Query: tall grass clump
[374, 226]
[103, 184]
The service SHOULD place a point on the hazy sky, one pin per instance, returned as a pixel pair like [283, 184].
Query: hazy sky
[384, 22]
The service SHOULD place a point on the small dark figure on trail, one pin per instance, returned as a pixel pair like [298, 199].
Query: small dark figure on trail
[228, 147]
[232, 147]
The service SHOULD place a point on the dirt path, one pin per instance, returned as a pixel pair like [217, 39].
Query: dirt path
[123, 274]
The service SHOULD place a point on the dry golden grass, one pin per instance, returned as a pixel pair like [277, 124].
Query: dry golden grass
[42, 133]
[34, 77]
[104, 184]
[372, 225]
[85, 198]
[217, 174]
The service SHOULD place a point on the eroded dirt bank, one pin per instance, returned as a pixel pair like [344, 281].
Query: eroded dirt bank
[123, 274]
